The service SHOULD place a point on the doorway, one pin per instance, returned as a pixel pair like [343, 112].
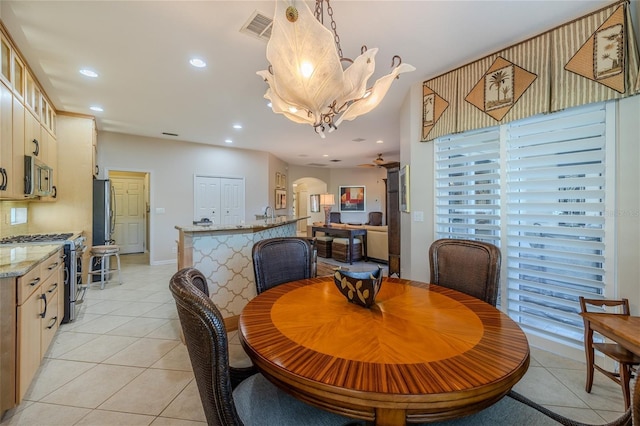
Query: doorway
[304, 188]
[132, 210]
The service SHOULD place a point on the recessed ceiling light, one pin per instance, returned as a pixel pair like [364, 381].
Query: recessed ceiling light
[89, 73]
[237, 126]
[379, 141]
[228, 141]
[325, 155]
[197, 62]
[96, 108]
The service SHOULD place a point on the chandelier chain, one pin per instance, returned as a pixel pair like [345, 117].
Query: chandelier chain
[319, 13]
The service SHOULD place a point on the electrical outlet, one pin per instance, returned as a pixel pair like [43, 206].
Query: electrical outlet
[174, 249]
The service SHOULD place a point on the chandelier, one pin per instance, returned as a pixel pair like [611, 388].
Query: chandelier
[307, 83]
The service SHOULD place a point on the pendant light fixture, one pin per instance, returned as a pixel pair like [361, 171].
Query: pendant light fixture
[307, 82]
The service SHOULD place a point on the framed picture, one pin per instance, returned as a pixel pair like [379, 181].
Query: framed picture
[404, 189]
[278, 180]
[281, 199]
[352, 199]
[314, 203]
[283, 181]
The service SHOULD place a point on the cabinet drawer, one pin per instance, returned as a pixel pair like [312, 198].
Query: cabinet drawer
[49, 266]
[28, 283]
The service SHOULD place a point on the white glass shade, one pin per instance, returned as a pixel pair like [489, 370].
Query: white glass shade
[307, 83]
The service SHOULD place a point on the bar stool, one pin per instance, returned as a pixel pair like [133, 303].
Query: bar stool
[104, 253]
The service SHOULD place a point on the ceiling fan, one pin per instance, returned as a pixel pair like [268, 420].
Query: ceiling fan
[377, 162]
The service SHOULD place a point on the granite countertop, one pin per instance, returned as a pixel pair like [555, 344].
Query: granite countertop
[18, 259]
[255, 225]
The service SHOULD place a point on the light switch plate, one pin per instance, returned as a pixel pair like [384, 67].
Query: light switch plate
[418, 216]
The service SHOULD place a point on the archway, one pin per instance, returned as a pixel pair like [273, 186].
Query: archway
[303, 188]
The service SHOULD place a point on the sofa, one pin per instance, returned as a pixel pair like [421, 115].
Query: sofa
[377, 239]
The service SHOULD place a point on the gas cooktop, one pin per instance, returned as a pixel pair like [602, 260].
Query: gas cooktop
[35, 238]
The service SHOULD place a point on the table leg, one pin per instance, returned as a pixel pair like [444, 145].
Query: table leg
[364, 247]
[390, 417]
[350, 248]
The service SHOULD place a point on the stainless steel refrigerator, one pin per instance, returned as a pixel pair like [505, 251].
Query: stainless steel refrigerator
[104, 212]
[104, 219]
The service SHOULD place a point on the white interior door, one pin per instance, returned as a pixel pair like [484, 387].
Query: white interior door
[207, 199]
[232, 201]
[129, 210]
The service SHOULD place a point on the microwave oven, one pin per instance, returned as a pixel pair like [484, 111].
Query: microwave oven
[38, 177]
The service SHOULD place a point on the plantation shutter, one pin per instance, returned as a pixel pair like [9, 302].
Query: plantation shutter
[468, 186]
[555, 205]
[549, 211]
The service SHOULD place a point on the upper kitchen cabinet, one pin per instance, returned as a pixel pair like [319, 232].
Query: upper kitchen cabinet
[6, 141]
[17, 75]
[32, 95]
[5, 60]
[33, 142]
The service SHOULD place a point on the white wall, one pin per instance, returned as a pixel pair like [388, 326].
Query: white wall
[172, 165]
[371, 178]
[375, 191]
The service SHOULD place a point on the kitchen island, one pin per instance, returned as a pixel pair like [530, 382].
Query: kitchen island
[223, 254]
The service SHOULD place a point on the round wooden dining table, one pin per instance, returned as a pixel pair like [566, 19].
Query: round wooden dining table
[421, 353]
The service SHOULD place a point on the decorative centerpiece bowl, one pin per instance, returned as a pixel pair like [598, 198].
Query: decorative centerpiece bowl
[360, 288]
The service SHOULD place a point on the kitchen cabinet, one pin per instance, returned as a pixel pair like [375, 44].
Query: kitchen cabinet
[33, 143]
[5, 60]
[17, 75]
[7, 344]
[6, 141]
[11, 145]
[32, 95]
[38, 317]
[94, 153]
[27, 128]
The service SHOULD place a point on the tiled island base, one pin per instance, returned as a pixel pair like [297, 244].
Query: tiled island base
[224, 257]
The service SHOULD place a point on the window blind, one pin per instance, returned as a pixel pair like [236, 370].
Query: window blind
[555, 219]
[548, 215]
[468, 186]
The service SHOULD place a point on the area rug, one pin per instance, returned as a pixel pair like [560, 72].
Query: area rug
[325, 269]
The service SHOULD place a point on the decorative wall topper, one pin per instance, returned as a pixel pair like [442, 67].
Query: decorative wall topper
[478, 94]
[433, 105]
[500, 88]
[602, 57]
[352, 199]
[595, 59]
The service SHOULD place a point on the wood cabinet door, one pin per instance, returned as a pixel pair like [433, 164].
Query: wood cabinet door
[49, 324]
[29, 352]
[32, 139]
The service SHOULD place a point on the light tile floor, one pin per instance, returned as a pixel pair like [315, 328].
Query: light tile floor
[121, 363]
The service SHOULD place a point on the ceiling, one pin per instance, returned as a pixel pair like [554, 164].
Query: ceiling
[141, 50]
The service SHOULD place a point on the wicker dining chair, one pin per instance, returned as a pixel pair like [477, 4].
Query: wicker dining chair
[255, 401]
[281, 260]
[626, 360]
[240, 365]
[472, 267]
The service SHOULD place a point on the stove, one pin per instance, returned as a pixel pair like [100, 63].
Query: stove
[74, 248]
